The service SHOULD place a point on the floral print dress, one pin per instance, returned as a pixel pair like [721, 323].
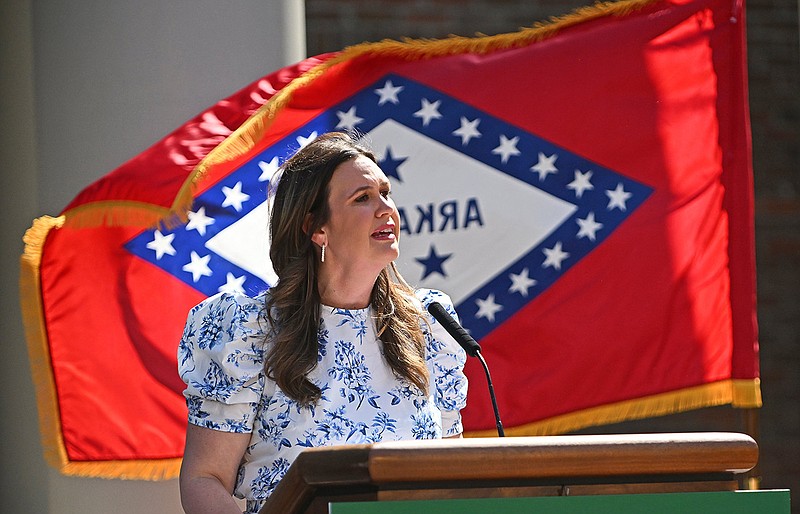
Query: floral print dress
[221, 359]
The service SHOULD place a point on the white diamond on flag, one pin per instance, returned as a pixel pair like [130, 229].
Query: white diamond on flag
[245, 243]
[492, 225]
[444, 203]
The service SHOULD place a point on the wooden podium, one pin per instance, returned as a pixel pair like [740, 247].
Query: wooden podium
[513, 467]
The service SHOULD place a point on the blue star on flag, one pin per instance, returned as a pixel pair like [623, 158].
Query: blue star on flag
[390, 164]
[433, 262]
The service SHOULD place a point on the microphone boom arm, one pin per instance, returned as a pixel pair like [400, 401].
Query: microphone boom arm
[498, 423]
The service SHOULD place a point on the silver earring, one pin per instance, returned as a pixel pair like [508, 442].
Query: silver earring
[322, 257]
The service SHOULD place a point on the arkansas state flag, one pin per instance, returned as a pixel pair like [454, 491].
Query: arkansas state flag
[582, 190]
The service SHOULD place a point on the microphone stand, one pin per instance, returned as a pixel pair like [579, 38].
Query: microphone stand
[499, 423]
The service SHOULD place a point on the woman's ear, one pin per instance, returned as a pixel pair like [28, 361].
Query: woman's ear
[319, 238]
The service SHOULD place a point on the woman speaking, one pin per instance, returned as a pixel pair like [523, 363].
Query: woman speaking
[339, 351]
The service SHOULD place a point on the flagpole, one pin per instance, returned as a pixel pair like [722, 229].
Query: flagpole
[751, 423]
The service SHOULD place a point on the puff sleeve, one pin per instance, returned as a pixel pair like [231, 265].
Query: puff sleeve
[221, 360]
[445, 359]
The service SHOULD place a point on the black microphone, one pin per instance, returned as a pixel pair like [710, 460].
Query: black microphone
[470, 346]
[449, 323]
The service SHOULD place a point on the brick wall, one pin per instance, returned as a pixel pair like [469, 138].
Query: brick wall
[774, 68]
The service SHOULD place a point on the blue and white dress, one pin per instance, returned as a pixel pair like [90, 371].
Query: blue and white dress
[221, 359]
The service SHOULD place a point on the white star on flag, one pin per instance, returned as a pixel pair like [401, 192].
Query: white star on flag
[617, 197]
[428, 112]
[348, 120]
[588, 227]
[199, 221]
[198, 267]
[521, 283]
[467, 130]
[487, 308]
[234, 197]
[232, 284]
[268, 169]
[545, 166]
[555, 256]
[388, 93]
[507, 148]
[303, 141]
[162, 244]
[581, 183]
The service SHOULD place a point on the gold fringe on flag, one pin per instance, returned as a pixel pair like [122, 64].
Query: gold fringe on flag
[741, 393]
[117, 213]
[36, 335]
[155, 469]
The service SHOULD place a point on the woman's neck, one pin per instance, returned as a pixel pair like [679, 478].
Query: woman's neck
[345, 292]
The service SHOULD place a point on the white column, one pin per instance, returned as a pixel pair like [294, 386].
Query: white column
[84, 86]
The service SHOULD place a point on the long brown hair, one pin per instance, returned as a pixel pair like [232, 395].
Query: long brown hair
[293, 305]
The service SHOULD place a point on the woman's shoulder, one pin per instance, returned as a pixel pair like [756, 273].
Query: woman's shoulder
[230, 305]
[228, 313]
[223, 335]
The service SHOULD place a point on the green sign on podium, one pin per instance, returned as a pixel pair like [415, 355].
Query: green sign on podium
[723, 502]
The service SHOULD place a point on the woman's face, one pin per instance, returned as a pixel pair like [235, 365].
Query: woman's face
[361, 235]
